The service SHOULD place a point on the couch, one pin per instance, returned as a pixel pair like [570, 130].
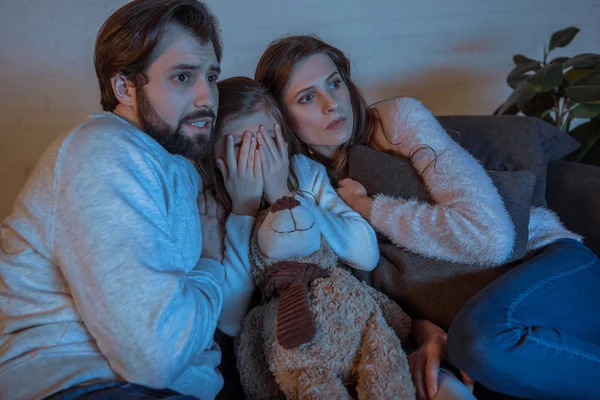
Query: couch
[508, 143]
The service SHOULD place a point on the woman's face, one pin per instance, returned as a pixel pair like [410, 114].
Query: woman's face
[238, 126]
[318, 104]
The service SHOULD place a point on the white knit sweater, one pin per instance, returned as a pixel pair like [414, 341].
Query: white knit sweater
[468, 223]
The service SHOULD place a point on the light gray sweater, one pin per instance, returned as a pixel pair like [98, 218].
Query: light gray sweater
[101, 275]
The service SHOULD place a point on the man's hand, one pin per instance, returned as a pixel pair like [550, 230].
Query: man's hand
[355, 195]
[212, 221]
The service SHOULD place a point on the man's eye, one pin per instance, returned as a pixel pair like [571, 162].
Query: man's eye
[182, 78]
[212, 78]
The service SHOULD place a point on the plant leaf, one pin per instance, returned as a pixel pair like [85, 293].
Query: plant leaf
[547, 78]
[519, 59]
[587, 135]
[586, 90]
[522, 72]
[586, 111]
[559, 60]
[512, 110]
[523, 92]
[563, 37]
[548, 118]
[537, 105]
[585, 60]
[592, 156]
[574, 75]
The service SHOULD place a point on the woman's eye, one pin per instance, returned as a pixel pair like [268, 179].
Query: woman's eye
[307, 98]
[335, 84]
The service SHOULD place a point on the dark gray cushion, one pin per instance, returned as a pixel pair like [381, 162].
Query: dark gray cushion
[574, 194]
[512, 143]
[433, 289]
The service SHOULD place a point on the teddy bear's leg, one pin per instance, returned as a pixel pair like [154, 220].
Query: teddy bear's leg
[311, 383]
[257, 380]
[383, 371]
[393, 314]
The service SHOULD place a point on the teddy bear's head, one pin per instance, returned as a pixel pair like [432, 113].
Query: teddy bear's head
[287, 231]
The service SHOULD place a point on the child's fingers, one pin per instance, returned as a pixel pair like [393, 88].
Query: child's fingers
[251, 154]
[258, 174]
[223, 168]
[267, 145]
[281, 143]
[230, 155]
[244, 150]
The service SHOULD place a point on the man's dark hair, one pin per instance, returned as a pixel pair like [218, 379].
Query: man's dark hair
[128, 37]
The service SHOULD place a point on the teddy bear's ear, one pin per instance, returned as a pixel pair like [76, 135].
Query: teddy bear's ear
[285, 203]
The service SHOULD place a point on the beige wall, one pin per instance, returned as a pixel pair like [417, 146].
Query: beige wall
[453, 55]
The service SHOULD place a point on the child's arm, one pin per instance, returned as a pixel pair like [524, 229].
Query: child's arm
[348, 234]
[238, 286]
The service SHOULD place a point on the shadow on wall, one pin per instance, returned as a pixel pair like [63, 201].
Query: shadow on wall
[446, 91]
[32, 116]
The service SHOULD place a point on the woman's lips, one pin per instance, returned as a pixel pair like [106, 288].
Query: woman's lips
[337, 123]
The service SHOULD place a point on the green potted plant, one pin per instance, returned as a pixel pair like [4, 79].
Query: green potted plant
[558, 91]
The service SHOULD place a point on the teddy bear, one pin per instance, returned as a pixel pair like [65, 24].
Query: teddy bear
[318, 332]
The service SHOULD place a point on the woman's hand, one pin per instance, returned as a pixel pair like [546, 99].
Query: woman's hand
[243, 176]
[355, 195]
[426, 360]
[275, 164]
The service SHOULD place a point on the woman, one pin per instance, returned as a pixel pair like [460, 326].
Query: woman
[527, 349]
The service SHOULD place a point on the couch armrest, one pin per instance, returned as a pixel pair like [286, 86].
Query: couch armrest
[573, 192]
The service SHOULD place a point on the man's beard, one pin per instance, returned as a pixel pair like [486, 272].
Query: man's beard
[174, 140]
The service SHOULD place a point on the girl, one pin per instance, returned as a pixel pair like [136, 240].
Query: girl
[529, 351]
[255, 169]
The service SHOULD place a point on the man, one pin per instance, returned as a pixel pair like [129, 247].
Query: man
[108, 282]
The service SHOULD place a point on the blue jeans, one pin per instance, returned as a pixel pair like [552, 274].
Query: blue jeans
[535, 331]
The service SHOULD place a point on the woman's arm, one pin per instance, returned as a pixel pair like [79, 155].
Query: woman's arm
[468, 222]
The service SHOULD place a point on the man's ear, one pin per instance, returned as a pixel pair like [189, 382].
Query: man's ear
[123, 90]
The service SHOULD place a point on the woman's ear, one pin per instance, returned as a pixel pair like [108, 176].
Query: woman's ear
[123, 90]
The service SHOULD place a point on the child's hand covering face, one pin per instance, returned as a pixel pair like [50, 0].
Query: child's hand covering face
[239, 161]
[271, 153]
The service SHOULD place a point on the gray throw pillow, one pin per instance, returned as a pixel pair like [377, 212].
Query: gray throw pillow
[430, 288]
[512, 143]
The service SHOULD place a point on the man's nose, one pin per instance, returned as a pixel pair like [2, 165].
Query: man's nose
[205, 95]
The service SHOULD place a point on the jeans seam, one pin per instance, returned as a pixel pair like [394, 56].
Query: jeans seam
[541, 341]
[548, 280]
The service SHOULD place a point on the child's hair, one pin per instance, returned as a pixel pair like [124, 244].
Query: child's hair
[239, 97]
